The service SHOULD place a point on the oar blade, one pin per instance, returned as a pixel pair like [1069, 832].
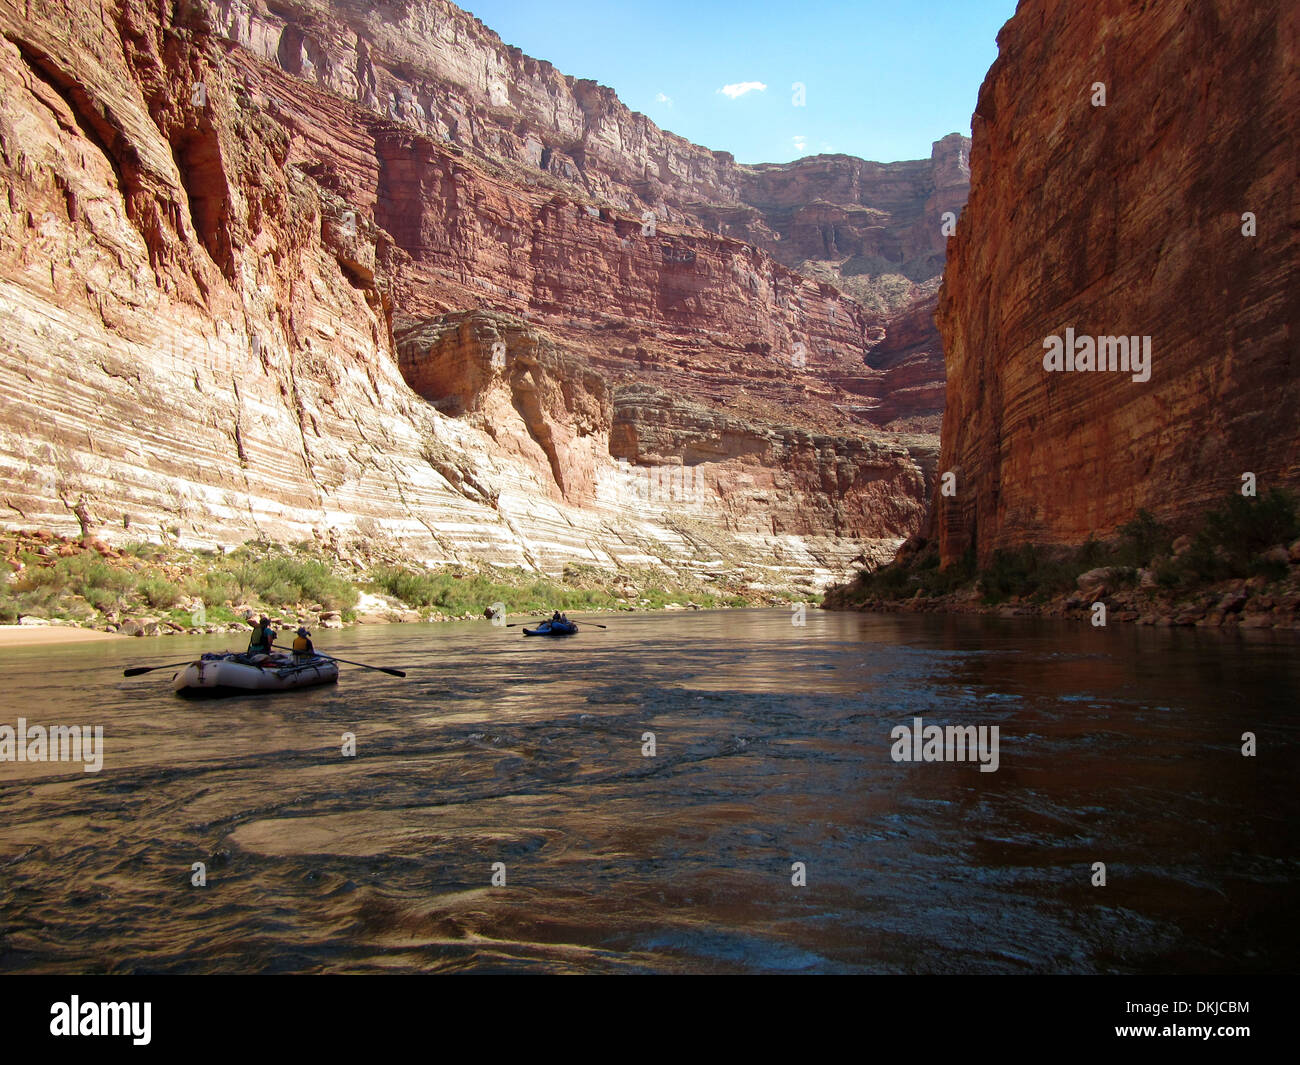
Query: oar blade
[136, 671]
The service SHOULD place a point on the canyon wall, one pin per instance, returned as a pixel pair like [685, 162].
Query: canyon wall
[434, 68]
[299, 270]
[1169, 212]
[872, 230]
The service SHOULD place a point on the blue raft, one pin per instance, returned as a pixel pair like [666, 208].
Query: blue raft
[553, 628]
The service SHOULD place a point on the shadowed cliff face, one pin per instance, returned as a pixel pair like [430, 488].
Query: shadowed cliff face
[254, 283]
[1124, 220]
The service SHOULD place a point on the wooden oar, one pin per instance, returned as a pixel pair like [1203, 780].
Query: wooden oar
[377, 669]
[544, 620]
[347, 661]
[135, 671]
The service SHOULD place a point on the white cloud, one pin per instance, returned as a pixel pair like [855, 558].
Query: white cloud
[660, 98]
[800, 142]
[742, 87]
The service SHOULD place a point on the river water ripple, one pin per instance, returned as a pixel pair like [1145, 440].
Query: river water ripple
[1119, 745]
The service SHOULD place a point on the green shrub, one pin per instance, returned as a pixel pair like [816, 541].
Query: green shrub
[1092, 553]
[1029, 572]
[1170, 573]
[1270, 571]
[104, 599]
[456, 593]
[887, 581]
[41, 602]
[280, 593]
[158, 592]
[951, 577]
[38, 577]
[76, 610]
[1008, 574]
[412, 588]
[217, 587]
[282, 580]
[1141, 540]
[73, 574]
[898, 580]
[1228, 545]
[1231, 539]
[1243, 526]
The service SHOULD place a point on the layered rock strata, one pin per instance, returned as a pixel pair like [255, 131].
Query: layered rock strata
[1165, 209]
[280, 270]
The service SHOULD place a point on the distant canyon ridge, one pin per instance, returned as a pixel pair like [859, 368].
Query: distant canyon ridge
[297, 269]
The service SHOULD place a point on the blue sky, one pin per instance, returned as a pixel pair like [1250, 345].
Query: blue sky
[883, 80]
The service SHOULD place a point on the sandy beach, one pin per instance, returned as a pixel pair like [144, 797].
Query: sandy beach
[43, 635]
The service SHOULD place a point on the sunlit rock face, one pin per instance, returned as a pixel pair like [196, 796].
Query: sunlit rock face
[289, 270]
[1169, 212]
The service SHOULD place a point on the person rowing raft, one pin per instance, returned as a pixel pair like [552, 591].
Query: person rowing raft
[556, 625]
[262, 639]
[302, 645]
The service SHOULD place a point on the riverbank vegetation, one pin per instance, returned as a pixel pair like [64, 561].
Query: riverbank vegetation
[1242, 560]
[148, 588]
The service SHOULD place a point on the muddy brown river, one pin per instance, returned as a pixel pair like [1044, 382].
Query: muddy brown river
[764, 826]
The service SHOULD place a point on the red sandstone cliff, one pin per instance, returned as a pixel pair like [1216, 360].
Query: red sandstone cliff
[1124, 219]
[871, 230]
[258, 260]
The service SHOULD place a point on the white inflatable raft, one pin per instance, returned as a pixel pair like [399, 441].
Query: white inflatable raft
[232, 673]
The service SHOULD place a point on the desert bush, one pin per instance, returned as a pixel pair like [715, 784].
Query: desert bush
[1141, 540]
[282, 580]
[1243, 526]
[158, 592]
[1032, 572]
[471, 593]
[1231, 538]
[104, 599]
